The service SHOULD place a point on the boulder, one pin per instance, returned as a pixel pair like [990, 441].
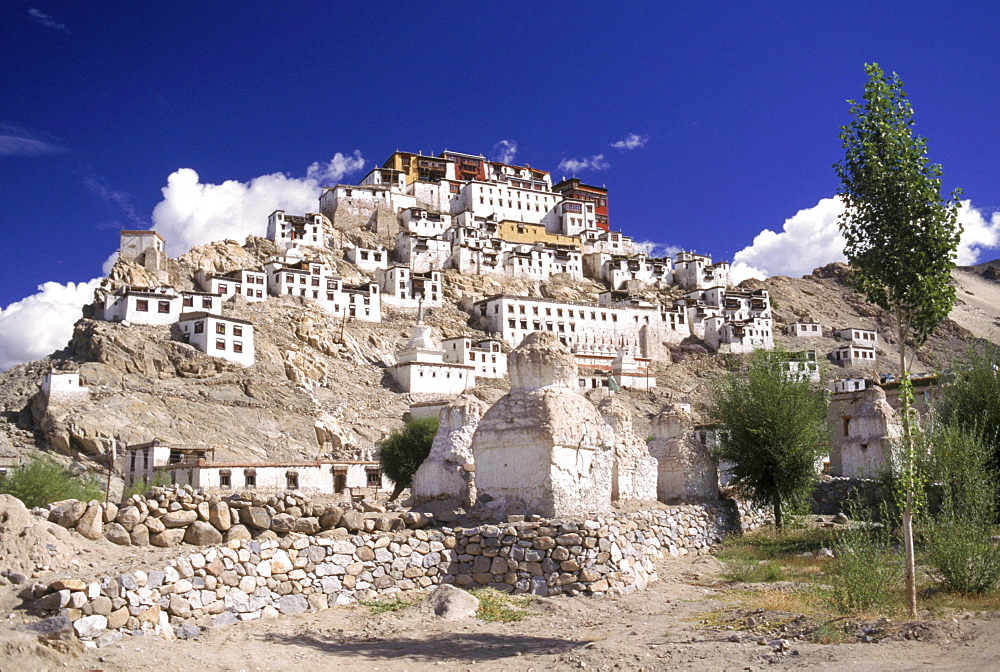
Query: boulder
[306, 525]
[282, 522]
[353, 521]
[139, 536]
[89, 627]
[202, 533]
[128, 517]
[68, 513]
[255, 517]
[450, 603]
[91, 524]
[180, 518]
[117, 534]
[220, 516]
[167, 538]
[330, 517]
[238, 533]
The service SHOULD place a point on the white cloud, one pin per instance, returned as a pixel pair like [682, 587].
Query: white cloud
[44, 19]
[631, 141]
[192, 213]
[596, 162]
[505, 151]
[978, 234]
[16, 141]
[42, 323]
[812, 238]
[808, 240]
[656, 250]
[329, 174]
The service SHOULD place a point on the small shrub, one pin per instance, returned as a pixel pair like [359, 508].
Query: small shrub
[866, 574]
[497, 606]
[402, 453]
[43, 480]
[383, 605]
[962, 556]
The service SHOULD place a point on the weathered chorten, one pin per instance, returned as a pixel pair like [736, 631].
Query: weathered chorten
[449, 470]
[686, 469]
[866, 451]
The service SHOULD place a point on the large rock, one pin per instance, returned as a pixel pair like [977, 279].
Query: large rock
[353, 520]
[450, 603]
[139, 536]
[255, 517]
[201, 533]
[238, 533]
[282, 522]
[180, 518]
[117, 534]
[686, 470]
[448, 471]
[68, 513]
[330, 517]
[89, 627]
[167, 538]
[220, 516]
[128, 517]
[543, 448]
[91, 523]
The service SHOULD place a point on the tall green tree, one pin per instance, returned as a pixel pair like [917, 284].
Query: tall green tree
[901, 239]
[774, 430]
[404, 451]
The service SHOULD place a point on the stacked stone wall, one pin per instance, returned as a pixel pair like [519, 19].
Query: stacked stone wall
[841, 494]
[245, 579]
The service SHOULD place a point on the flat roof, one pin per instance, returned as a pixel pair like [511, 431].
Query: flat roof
[187, 317]
[149, 232]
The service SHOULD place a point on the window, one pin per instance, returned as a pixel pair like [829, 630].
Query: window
[292, 480]
[237, 330]
[220, 344]
[188, 302]
[220, 328]
[225, 478]
[163, 307]
[250, 477]
[237, 346]
[142, 305]
[373, 477]
[199, 327]
[223, 288]
[206, 302]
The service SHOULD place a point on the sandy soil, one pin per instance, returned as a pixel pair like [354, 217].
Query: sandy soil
[662, 628]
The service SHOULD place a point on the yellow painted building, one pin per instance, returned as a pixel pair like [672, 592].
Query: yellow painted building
[523, 232]
[418, 167]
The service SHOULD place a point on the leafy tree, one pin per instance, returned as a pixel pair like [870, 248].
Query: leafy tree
[972, 399]
[403, 452]
[901, 239]
[43, 480]
[774, 430]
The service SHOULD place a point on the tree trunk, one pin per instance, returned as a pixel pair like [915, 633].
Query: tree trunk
[911, 570]
[777, 514]
[911, 579]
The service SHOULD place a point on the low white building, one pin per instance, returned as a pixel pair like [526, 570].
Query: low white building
[64, 386]
[696, 271]
[541, 261]
[405, 288]
[218, 336]
[368, 258]
[421, 222]
[305, 230]
[423, 253]
[251, 285]
[486, 355]
[312, 280]
[617, 270]
[853, 354]
[133, 245]
[157, 306]
[316, 477]
[843, 385]
[421, 369]
[859, 336]
[802, 365]
[804, 329]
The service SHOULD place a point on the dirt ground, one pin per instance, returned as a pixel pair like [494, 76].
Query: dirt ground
[687, 621]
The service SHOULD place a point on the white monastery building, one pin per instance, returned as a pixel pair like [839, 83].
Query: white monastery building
[304, 230]
[226, 337]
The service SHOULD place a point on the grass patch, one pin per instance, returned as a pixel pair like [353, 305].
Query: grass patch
[497, 606]
[383, 605]
[830, 632]
[765, 556]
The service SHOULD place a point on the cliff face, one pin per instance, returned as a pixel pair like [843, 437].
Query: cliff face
[320, 386]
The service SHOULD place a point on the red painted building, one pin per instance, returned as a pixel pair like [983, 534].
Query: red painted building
[575, 189]
[467, 166]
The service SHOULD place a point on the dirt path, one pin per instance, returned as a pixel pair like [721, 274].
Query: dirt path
[661, 628]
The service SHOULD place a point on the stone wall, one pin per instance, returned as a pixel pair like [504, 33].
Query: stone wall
[838, 494]
[245, 579]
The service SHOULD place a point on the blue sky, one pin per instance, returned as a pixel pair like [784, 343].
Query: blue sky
[734, 110]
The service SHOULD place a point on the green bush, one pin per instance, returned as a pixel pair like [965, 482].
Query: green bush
[43, 480]
[866, 573]
[962, 556]
[402, 453]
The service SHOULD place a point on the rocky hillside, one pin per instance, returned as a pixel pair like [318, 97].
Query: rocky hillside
[321, 387]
